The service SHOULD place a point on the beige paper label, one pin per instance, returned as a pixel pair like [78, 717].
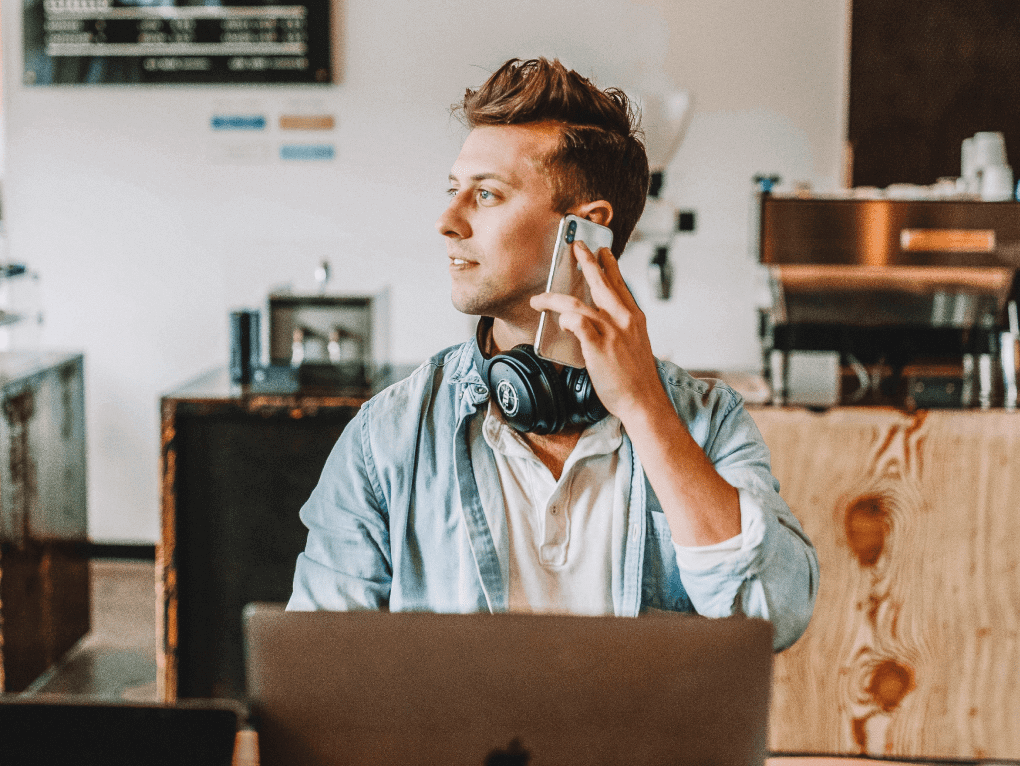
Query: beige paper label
[947, 240]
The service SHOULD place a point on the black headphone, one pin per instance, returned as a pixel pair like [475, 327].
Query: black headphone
[532, 395]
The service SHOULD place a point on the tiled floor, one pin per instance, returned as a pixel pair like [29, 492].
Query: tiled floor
[117, 659]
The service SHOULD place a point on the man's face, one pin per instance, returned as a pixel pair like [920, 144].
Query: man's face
[500, 226]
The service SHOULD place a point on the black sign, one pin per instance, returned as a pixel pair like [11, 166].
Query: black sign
[115, 42]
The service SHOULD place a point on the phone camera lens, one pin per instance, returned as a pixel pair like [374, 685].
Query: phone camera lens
[571, 228]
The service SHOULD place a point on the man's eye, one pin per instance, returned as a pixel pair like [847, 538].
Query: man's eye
[485, 195]
[451, 192]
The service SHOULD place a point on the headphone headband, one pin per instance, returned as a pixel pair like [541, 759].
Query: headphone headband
[532, 394]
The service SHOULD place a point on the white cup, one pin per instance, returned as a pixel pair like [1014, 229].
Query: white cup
[968, 169]
[996, 183]
[989, 149]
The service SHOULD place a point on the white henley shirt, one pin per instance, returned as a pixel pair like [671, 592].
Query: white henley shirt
[560, 531]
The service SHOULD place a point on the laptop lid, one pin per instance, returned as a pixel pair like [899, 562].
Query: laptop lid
[56, 730]
[332, 688]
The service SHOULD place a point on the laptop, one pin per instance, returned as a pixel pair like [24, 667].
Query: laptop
[56, 730]
[332, 688]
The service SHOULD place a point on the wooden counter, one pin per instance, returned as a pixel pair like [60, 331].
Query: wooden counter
[913, 648]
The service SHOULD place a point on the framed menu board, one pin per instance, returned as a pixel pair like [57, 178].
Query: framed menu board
[98, 42]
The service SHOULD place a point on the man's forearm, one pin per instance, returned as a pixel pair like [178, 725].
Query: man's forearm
[701, 507]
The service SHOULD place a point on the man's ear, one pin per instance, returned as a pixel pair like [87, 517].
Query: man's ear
[599, 211]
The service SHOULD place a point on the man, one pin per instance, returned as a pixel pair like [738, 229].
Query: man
[431, 501]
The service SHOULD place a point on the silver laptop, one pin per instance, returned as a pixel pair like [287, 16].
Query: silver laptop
[365, 688]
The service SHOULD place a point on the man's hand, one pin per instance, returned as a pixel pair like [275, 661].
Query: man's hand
[613, 336]
[700, 506]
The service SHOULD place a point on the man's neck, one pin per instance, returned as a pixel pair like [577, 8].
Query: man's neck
[505, 335]
[554, 449]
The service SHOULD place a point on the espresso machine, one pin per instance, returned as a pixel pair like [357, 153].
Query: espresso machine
[897, 302]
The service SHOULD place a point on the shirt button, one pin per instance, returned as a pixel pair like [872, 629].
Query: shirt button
[553, 510]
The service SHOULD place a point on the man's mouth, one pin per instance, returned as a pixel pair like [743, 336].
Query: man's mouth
[461, 262]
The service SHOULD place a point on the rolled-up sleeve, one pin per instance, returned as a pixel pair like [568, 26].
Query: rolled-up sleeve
[774, 573]
[346, 562]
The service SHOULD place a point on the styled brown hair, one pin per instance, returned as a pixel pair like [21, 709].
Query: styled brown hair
[600, 154]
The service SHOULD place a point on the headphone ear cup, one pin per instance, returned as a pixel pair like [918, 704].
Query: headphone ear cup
[583, 405]
[526, 389]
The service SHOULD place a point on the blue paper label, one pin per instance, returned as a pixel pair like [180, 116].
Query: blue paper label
[307, 152]
[238, 122]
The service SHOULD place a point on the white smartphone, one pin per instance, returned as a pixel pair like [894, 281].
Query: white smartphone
[565, 276]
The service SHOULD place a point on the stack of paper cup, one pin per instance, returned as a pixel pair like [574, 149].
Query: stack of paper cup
[984, 167]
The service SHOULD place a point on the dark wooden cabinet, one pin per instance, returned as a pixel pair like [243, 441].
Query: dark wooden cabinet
[236, 468]
[44, 574]
[923, 77]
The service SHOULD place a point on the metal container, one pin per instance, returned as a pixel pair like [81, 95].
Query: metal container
[331, 327]
[892, 263]
[891, 286]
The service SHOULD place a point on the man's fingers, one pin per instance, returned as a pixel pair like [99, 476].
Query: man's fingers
[584, 326]
[560, 303]
[610, 267]
[604, 292]
[609, 270]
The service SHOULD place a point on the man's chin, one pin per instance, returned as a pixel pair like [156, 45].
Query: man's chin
[468, 306]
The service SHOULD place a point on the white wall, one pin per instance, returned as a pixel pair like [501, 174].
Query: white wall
[145, 236]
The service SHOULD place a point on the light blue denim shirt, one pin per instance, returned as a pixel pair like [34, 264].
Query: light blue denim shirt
[396, 520]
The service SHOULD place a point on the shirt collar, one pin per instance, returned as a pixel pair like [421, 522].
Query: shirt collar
[600, 438]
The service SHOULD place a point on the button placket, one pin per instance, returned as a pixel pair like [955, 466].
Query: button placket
[557, 528]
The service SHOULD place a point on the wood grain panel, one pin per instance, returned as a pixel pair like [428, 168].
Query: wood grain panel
[913, 646]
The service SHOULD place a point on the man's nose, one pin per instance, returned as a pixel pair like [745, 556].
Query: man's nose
[452, 222]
